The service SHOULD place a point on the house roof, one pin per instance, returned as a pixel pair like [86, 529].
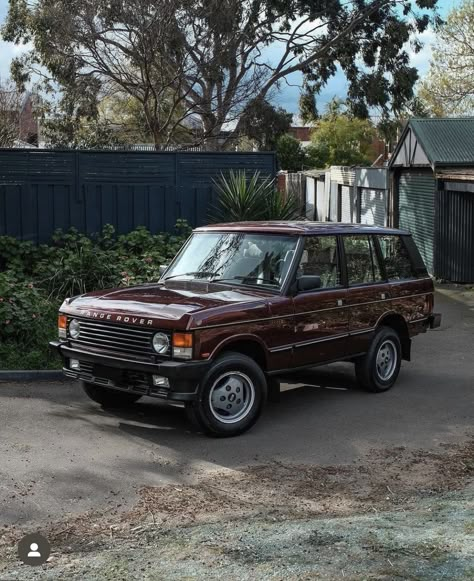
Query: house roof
[446, 142]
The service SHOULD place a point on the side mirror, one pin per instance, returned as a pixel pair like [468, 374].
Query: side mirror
[308, 282]
[162, 269]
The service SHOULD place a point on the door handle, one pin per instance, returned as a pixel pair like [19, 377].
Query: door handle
[340, 302]
[383, 296]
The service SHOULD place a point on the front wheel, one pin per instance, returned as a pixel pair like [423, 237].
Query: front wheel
[230, 396]
[109, 398]
[378, 370]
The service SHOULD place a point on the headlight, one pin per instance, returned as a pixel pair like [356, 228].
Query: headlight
[74, 328]
[161, 343]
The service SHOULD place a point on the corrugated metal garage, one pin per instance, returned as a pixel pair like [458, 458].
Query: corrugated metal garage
[416, 203]
[433, 194]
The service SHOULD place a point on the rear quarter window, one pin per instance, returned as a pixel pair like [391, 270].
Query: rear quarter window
[401, 258]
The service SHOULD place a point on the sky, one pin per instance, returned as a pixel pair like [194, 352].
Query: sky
[290, 89]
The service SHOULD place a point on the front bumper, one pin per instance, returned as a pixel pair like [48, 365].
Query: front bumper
[133, 376]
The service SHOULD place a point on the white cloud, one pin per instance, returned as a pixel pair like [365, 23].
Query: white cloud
[8, 51]
[421, 60]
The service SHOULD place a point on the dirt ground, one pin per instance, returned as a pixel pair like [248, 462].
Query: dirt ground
[396, 514]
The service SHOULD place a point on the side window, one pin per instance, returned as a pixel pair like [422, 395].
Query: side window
[396, 258]
[321, 258]
[361, 259]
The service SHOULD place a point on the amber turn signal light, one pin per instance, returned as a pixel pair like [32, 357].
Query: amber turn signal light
[62, 326]
[183, 340]
[183, 345]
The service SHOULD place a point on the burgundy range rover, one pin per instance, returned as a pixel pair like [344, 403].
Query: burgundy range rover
[244, 303]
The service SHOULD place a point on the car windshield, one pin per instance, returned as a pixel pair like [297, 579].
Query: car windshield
[235, 258]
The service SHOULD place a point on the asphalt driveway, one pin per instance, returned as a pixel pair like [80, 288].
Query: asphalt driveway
[61, 454]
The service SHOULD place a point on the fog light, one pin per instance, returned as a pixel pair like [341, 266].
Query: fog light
[160, 381]
[74, 364]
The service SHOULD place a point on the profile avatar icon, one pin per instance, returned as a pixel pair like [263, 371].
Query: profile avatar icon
[34, 551]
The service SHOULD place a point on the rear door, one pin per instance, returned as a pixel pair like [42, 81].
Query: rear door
[368, 295]
[411, 288]
[321, 319]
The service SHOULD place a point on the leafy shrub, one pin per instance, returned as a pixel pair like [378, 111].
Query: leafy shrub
[290, 153]
[27, 323]
[76, 263]
[24, 311]
[17, 256]
[241, 198]
[82, 268]
[35, 280]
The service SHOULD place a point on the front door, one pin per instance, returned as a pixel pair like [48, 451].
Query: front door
[321, 319]
[368, 295]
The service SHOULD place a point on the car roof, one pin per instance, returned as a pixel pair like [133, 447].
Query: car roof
[298, 228]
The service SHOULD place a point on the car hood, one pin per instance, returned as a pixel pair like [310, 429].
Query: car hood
[161, 306]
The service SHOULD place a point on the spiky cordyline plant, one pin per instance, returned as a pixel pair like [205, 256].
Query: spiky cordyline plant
[241, 198]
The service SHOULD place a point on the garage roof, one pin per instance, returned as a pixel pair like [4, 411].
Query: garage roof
[445, 142]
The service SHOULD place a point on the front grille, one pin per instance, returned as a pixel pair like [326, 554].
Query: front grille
[115, 337]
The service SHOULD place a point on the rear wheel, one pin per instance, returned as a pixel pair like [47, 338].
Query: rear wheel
[230, 396]
[109, 398]
[378, 370]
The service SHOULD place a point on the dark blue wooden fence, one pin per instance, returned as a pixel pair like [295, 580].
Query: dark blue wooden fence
[42, 190]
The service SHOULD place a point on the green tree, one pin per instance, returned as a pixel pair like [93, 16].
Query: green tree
[342, 140]
[449, 86]
[207, 60]
[389, 128]
[316, 156]
[125, 114]
[77, 133]
[10, 102]
[290, 153]
[307, 105]
[264, 124]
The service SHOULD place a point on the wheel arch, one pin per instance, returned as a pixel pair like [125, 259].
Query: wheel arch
[248, 345]
[398, 324]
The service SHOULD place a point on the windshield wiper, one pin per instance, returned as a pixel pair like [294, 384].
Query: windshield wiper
[265, 280]
[190, 274]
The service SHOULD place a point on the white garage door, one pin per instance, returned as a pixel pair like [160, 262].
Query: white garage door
[346, 203]
[373, 206]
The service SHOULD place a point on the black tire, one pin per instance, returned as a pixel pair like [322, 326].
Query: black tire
[240, 374]
[370, 370]
[109, 398]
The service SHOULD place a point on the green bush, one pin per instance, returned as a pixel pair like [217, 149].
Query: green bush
[76, 263]
[290, 153]
[17, 256]
[23, 310]
[27, 323]
[34, 280]
[78, 269]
